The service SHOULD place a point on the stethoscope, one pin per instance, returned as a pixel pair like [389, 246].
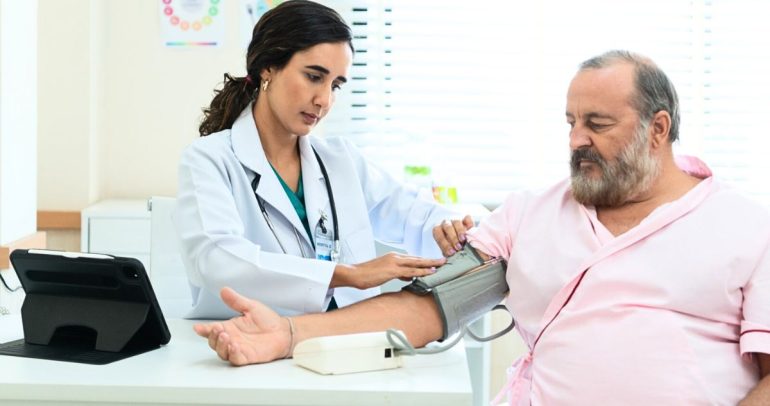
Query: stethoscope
[335, 252]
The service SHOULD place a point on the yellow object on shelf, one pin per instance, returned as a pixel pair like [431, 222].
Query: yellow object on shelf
[445, 194]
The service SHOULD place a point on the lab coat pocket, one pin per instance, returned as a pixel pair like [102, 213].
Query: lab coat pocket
[357, 247]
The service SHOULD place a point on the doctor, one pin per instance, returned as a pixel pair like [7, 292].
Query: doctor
[278, 215]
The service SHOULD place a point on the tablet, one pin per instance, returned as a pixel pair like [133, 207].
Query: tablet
[87, 308]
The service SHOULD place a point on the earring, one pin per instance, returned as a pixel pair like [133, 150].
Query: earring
[264, 85]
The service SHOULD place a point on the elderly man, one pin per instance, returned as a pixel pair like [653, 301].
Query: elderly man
[640, 280]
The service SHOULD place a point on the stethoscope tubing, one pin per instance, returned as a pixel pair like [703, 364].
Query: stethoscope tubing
[329, 192]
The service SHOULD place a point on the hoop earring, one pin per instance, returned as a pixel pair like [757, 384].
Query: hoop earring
[265, 84]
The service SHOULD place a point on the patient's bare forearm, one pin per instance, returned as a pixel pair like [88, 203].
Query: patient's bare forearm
[417, 316]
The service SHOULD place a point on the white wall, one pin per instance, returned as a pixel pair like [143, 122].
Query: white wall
[18, 119]
[64, 80]
[18, 131]
[116, 107]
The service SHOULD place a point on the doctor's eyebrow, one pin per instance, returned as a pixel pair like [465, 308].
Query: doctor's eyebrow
[326, 72]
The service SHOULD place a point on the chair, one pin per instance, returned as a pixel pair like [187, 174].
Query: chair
[167, 272]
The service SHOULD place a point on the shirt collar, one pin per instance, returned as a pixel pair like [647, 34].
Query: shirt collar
[693, 166]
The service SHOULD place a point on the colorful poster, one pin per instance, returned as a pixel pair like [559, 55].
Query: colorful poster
[191, 23]
[251, 11]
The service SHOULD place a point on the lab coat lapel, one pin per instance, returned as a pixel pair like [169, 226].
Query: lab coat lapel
[248, 148]
[316, 196]
[654, 222]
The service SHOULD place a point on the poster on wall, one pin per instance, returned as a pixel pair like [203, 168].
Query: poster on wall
[251, 11]
[191, 23]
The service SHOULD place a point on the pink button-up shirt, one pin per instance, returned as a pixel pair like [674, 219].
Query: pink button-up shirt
[666, 313]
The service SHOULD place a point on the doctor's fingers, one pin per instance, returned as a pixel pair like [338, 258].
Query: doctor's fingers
[460, 227]
[468, 222]
[419, 262]
[406, 274]
[447, 237]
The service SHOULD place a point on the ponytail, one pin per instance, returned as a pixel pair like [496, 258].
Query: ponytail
[227, 105]
[290, 27]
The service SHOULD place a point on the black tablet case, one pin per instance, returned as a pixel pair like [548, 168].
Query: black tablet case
[85, 309]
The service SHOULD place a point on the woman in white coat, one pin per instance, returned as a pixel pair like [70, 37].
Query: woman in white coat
[278, 215]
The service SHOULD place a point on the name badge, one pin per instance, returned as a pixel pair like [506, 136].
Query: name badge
[324, 240]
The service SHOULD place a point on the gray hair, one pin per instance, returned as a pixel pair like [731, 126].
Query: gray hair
[654, 90]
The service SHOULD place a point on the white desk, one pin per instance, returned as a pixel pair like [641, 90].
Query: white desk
[186, 371]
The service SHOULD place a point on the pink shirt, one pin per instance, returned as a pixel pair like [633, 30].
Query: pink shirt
[666, 313]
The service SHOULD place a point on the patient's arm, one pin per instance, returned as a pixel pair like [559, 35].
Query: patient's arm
[261, 335]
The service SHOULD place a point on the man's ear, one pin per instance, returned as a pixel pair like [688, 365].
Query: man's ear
[660, 127]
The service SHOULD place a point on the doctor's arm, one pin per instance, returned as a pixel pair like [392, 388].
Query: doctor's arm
[760, 395]
[382, 269]
[260, 335]
[449, 235]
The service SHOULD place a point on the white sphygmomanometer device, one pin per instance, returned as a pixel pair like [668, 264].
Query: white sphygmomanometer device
[464, 289]
[347, 353]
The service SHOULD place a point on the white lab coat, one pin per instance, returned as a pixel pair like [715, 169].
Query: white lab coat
[226, 241]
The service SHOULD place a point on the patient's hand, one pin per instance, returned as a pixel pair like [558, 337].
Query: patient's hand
[259, 335]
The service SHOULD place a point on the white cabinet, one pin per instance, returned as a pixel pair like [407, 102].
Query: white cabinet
[117, 227]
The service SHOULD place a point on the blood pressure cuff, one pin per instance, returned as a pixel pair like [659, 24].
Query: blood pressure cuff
[464, 288]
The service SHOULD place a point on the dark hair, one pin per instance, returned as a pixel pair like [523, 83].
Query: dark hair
[291, 27]
[654, 90]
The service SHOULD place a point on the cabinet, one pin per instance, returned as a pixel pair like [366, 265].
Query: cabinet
[117, 227]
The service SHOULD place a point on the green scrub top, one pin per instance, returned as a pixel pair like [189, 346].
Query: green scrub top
[298, 202]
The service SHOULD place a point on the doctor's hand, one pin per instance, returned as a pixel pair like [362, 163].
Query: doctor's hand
[450, 234]
[382, 269]
[259, 335]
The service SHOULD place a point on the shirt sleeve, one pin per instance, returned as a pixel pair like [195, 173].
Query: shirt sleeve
[494, 234]
[755, 326]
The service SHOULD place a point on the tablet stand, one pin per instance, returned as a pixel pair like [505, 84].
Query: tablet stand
[73, 320]
[87, 308]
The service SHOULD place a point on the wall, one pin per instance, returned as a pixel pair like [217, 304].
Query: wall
[18, 119]
[153, 96]
[64, 80]
[18, 130]
[116, 106]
